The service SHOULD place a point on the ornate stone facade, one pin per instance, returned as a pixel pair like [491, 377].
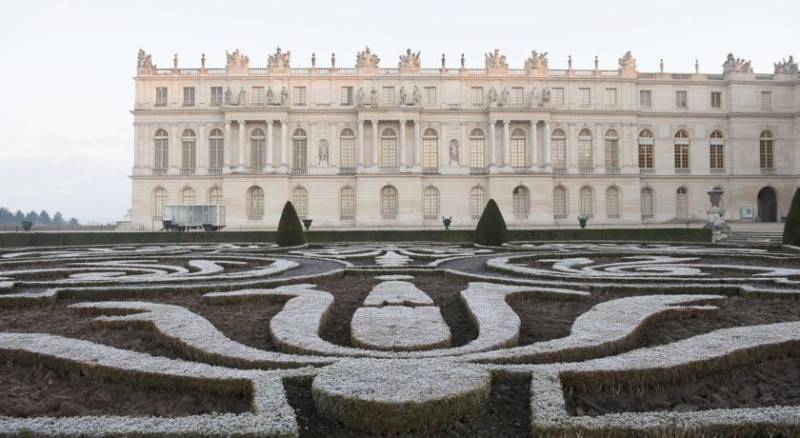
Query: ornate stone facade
[367, 146]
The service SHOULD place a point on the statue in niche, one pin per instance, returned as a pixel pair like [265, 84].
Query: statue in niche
[373, 97]
[361, 97]
[453, 151]
[492, 96]
[545, 97]
[284, 96]
[534, 98]
[228, 96]
[417, 96]
[403, 95]
[270, 96]
[323, 153]
[240, 100]
[505, 97]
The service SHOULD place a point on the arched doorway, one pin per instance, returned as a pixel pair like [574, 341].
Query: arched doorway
[767, 205]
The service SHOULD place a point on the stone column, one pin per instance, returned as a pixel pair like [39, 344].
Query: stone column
[548, 155]
[284, 145]
[228, 145]
[201, 154]
[463, 148]
[572, 148]
[360, 145]
[173, 150]
[137, 146]
[375, 161]
[333, 145]
[533, 142]
[600, 148]
[506, 143]
[242, 139]
[402, 144]
[417, 146]
[492, 145]
[270, 146]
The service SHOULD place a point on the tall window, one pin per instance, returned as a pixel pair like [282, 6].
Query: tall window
[716, 150]
[766, 100]
[477, 200]
[584, 96]
[585, 155]
[612, 202]
[188, 152]
[299, 97]
[646, 203]
[557, 96]
[388, 150]
[517, 96]
[161, 143]
[346, 96]
[257, 150]
[477, 95]
[518, 148]
[255, 203]
[520, 199]
[347, 204]
[681, 99]
[477, 150]
[389, 203]
[586, 201]
[259, 98]
[388, 96]
[560, 202]
[299, 151]
[430, 203]
[645, 98]
[347, 150]
[188, 96]
[682, 151]
[216, 151]
[646, 142]
[612, 151]
[300, 201]
[430, 95]
[558, 145]
[188, 196]
[216, 96]
[430, 151]
[766, 148]
[160, 197]
[682, 203]
[611, 97]
[716, 99]
[161, 96]
[215, 196]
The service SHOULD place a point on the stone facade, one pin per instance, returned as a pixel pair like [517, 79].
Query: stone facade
[402, 147]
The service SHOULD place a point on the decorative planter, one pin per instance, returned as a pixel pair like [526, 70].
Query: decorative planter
[26, 225]
[582, 220]
[447, 221]
[307, 223]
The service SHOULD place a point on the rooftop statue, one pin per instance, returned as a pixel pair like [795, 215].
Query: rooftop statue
[367, 59]
[279, 59]
[786, 67]
[236, 59]
[144, 61]
[409, 60]
[627, 63]
[495, 59]
[537, 61]
[736, 65]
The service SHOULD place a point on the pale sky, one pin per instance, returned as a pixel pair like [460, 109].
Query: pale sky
[67, 135]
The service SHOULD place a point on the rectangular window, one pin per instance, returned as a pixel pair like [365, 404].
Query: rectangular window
[216, 95]
[346, 96]
[558, 96]
[681, 99]
[388, 95]
[430, 95]
[681, 157]
[584, 96]
[299, 96]
[188, 96]
[611, 97]
[716, 99]
[766, 100]
[477, 95]
[259, 98]
[161, 96]
[645, 98]
[517, 96]
[716, 152]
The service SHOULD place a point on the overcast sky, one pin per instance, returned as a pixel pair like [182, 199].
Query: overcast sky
[67, 135]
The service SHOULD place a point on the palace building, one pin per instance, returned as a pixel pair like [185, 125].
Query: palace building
[370, 147]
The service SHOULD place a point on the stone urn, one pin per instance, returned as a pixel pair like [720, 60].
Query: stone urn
[447, 221]
[26, 225]
[582, 220]
[307, 223]
[715, 221]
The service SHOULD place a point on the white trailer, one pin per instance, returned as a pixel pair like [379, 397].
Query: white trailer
[187, 217]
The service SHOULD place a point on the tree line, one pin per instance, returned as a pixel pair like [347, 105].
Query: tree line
[41, 218]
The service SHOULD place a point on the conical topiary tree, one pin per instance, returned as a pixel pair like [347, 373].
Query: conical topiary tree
[290, 230]
[491, 228]
[791, 229]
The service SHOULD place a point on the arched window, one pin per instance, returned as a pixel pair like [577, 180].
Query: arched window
[300, 201]
[257, 150]
[682, 203]
[518, 148]
[560, 202]
[520, 198]
[558, 150]
[430, 151]
[716, 152]
[612, 151]
[188, 196]
[161, 145]
[585, 153]
[347, 204]
[188, 152]
[389, 203]
[299, 152]
[215, 195]
[646, 203]
[388, 150]
[646, 142]
[682, 152]
[347, 151]
[160, 197]
[477, 200]
[477, 150]
[612, 202]
[255, 203]
[216, 152]
[586, 201]
[766, 151]
[430, 203]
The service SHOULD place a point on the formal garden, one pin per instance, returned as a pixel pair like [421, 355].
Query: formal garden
[499, 337]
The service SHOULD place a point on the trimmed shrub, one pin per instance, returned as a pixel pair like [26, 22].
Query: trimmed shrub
[491, 228]
[791, 229]
[290, 230]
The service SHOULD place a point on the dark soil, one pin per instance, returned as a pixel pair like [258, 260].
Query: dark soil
[769, 383]
[35, 391]
[508, 414]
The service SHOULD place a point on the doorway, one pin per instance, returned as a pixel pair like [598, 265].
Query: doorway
[767, 205]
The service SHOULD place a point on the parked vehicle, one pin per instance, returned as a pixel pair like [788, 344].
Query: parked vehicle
[197, 216]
